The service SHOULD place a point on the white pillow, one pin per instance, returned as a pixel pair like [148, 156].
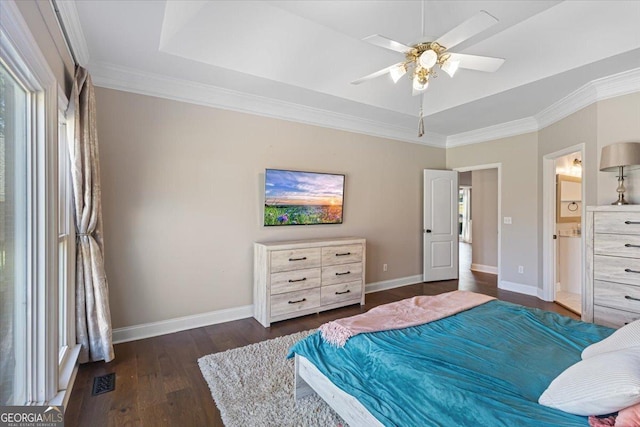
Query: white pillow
[625, 337]
[598, 385]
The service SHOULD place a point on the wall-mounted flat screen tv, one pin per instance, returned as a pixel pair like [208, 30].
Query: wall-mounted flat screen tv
[302, 198]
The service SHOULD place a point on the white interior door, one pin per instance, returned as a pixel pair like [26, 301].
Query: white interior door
[440, 225]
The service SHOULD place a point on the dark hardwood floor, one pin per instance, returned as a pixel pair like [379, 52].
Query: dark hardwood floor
[158, 381]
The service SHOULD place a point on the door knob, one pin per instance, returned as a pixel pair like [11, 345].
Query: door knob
[427, 231]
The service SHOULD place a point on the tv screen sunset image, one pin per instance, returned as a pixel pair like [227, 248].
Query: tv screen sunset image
[302, 198]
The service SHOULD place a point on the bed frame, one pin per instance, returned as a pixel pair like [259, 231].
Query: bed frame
[310, 380]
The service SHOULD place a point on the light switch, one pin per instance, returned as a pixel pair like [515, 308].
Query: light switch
[507, 220]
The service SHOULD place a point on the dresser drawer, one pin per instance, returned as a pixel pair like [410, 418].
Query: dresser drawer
[342, 273]
[612, 317]
[341, 292]
[295, 280]
[295, 259]
[617, 222]
[345, 254]
[291, 302]
[617, 295]
[290, 277]
[613, 269]
[616, 245]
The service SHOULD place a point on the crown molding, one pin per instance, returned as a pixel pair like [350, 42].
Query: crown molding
[575, 101]
[611, 86]
[618, 84]
[490, 133]
[131, 80]
[73, 29]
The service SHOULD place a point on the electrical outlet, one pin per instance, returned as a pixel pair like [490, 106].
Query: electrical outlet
[520, 269]
[384, 267]
[507, 220]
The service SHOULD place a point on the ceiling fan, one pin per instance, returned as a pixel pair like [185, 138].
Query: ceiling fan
[421, 58]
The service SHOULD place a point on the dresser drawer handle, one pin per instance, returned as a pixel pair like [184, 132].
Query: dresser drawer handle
[342, 274]
[344, 254]
[631, 298]
[298, 259]
[297, 280]
[629, 245]
[344, 292]
[300, 300]
[632, 222]
[628, 270]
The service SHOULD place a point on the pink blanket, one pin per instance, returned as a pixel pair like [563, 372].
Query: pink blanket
[401, 314]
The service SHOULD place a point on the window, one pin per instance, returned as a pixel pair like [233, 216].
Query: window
[36, 338]
[13, 237]
[66, 247]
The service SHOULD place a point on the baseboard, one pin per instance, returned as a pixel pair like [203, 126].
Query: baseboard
[393, 283]
[542, 295]
[153, 329]
[519, 288]
[484, 268]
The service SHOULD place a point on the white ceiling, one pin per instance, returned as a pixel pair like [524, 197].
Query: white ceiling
[304, 54]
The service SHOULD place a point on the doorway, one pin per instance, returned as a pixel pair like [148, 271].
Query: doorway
[465, 223]
[563, 221]
[568, 209]
[479, 206]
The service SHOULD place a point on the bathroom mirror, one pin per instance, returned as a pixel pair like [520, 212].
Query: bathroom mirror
[568, 198]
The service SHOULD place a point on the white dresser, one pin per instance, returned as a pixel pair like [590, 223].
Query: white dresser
[612, 284]
[297, 278]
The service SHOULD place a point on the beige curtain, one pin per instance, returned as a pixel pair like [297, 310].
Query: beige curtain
[93, 318]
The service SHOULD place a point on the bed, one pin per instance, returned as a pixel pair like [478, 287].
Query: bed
[485, 366]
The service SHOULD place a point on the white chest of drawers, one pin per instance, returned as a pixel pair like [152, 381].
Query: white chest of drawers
[612, 285]
[301, 277]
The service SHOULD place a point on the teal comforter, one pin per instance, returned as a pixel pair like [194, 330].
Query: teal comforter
[486, 366]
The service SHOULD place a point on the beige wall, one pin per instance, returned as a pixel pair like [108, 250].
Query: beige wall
[484, 205]
[599, 124]
[41, 19]
[577, 128]
[464, 178]
[183, 188]
[519, 197]
[618, 121]
[602, 123]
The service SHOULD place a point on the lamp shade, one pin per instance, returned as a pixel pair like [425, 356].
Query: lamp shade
[620, 154]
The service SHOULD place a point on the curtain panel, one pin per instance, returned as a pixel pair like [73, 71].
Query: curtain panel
[93, 317]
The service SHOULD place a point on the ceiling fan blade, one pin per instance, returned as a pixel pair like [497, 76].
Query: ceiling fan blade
[382, 41]
[467, 29]
[479, 63]
[374, 75]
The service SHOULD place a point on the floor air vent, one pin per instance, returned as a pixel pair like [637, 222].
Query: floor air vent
[104, 384]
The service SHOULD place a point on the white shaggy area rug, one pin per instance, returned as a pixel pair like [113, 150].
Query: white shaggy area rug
[253, 386]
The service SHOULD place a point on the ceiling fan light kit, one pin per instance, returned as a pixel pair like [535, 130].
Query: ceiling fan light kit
[450, 67]
[421, 59]
[420, 83]
[428, 59]
[397, 72]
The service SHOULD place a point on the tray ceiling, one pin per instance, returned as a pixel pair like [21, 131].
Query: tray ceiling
[306, 53]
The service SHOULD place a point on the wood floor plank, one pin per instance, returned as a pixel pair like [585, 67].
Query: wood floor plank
[159, 383]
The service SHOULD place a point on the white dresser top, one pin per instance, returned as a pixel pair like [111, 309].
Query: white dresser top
[614, 208]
